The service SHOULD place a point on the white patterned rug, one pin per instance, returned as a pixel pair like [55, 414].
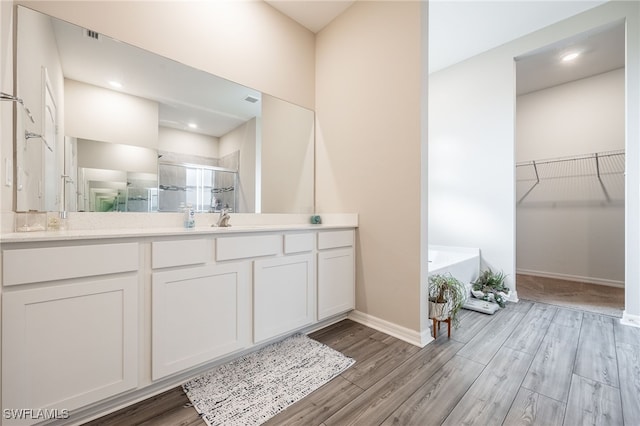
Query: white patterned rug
[252, 389]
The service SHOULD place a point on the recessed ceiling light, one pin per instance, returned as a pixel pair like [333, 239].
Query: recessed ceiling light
[115, 84]
[192, 125]
[570, 56]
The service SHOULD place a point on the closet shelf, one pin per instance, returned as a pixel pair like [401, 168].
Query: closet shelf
[601, 165]
[596, 164]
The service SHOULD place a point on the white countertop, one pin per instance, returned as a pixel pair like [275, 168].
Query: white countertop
[93, 226]
[92, 234]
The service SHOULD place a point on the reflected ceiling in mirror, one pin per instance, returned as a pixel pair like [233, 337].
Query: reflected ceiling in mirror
[111, 92]
[184, 95]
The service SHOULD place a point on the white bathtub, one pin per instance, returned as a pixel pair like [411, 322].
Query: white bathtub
[462, 263]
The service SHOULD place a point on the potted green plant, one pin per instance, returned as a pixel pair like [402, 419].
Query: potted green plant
[446, 297]
[490, 287]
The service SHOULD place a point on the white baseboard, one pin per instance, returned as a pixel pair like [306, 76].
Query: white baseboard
[567, 277]
[631, 320]
[402, 333]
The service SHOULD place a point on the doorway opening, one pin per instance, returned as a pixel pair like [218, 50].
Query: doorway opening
[570, 164]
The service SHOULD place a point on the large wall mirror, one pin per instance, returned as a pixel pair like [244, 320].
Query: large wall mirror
[111, 127]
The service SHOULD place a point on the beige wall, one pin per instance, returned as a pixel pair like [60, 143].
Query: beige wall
[287, 157]
[368, 153]
[128, 158]
[576, 118]
[180, 141]
[92, 112]
[244, 139]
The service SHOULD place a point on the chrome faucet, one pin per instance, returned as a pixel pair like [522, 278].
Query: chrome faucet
[223, 220]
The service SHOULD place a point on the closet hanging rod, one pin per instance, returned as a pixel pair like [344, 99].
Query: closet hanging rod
[11, 98]
[596, 155]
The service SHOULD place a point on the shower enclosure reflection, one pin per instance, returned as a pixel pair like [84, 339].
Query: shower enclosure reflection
[205, 188]
[124, 178]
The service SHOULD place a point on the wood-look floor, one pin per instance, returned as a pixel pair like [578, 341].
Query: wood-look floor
[529, 364]
[595, 298]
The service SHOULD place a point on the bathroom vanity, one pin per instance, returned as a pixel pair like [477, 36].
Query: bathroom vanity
[95, 320]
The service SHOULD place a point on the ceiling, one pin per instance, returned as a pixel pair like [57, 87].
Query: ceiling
[459, 30]
[312, 14]
[601, 49]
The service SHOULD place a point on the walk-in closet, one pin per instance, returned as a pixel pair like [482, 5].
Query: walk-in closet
[570, 171]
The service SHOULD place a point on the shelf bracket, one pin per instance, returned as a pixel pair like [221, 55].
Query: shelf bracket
[604, 189]
[535, 169]
[30, 135]
[11, 98]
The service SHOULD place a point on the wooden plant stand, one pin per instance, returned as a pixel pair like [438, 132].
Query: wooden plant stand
[437, 322]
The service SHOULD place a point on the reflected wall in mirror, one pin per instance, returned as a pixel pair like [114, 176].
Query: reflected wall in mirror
[105, 112]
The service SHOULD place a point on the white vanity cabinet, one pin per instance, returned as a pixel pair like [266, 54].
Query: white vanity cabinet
[69, 325]
[92, 322]
[283, 279]
[336, 273]
[198, 313]
[283, 295]
[284, 288]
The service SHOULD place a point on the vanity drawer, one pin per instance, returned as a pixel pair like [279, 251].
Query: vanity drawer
[22, 266]
[298, 243]
[334, 239]
[165, 254]
[229, 248]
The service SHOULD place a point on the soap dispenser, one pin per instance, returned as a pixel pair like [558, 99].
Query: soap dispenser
[189, 217]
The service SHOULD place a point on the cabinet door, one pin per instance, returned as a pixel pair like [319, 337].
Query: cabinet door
[199, 314]
[68, 346]
[283, 295]
[336, 282]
